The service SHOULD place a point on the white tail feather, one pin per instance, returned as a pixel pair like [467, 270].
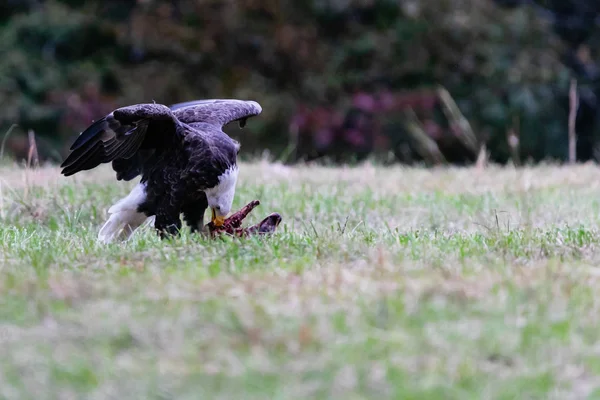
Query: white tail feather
[124, 218]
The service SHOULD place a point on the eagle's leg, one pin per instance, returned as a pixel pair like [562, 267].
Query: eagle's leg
[167, 225]
[168, 221]
[193, 213]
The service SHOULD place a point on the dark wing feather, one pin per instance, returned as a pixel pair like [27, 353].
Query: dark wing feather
[84, 163]
[105, 146]
[119, 135]
[179, 106]
[218, 112]
[97, 128]
[129, 168]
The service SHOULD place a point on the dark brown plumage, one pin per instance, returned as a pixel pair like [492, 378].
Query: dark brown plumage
[186, 161]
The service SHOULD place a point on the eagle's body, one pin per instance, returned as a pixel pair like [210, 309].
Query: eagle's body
[186, 162]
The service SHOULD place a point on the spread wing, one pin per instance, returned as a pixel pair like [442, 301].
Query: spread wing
[218, 112]
[118, 137]
[130, 135]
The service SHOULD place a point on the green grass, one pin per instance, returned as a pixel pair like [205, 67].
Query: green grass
[380, 283]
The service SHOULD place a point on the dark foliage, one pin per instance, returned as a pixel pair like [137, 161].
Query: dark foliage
[575, 23]
[339, 79]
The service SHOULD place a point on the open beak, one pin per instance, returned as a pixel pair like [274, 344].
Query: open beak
[217, 220]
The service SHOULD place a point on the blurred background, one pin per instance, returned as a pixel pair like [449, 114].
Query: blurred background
[410, 81]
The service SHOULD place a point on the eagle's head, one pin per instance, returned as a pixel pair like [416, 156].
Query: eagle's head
[220, 197]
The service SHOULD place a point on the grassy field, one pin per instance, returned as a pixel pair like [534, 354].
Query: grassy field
[380, 283]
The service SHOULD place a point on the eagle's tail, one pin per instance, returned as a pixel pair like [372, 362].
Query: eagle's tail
[124, 216]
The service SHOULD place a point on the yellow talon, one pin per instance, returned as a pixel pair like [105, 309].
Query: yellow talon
[217, 220]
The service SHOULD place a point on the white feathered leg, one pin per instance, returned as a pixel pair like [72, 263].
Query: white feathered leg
[124, 218]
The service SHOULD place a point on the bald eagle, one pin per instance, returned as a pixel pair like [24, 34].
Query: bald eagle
[186, 162]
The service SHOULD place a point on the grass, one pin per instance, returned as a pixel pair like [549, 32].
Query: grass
[380, 283]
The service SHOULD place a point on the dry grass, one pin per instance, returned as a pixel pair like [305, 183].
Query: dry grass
[381, 283]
